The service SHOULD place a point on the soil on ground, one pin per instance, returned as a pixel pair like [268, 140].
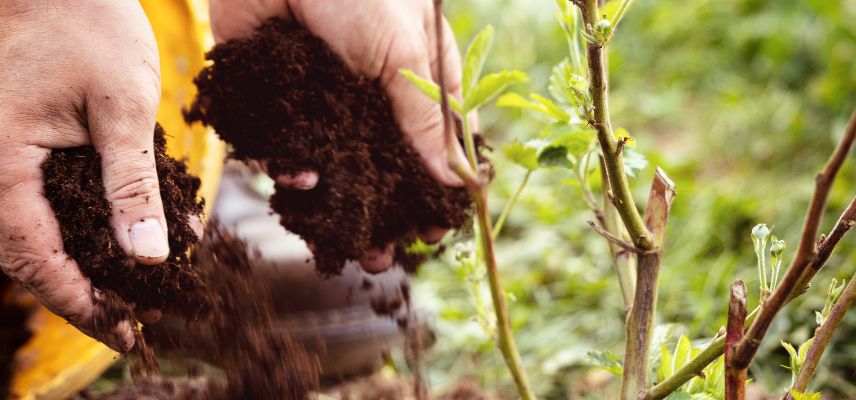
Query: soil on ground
[282, 97]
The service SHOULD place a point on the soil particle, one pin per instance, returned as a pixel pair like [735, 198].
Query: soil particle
[282, 97]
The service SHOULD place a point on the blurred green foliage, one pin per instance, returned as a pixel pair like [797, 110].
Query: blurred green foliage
[741, 102]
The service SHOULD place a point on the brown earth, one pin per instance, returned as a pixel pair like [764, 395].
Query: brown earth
[282, 97]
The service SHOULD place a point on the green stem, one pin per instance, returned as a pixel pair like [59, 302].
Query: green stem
[619, 187]
[513, 200]
[470, 144]
[507, 345]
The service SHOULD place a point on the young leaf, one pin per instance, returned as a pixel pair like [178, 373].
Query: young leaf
[558, 82]
[552, 109]
[805, 396]
[575, 137]
[683, 352]
[490, 86]
[680, 396]
[476, 55]
[522, 155]
[554, 156]
[633, 162]
[515, 100]
[430, 89]
[666, 368]
[607, 361]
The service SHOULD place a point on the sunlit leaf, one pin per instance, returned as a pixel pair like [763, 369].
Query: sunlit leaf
[490, 86]
[666, 368]
[430, 89]
[551, 108]
[805, 396]
[476, 55]
[574, 137]
[683, 352]
[607, 361]
[522, 155]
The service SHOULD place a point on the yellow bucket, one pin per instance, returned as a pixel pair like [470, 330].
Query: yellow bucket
[59, 361]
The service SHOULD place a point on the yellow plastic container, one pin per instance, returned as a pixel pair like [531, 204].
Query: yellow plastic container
[59, 361]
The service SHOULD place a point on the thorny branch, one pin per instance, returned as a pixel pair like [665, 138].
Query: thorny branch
[823, 183]
[809, 258]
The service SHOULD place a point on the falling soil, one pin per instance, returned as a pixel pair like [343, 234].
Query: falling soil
[13, 333]
[260, 360]
[74, 188]
[283, 97]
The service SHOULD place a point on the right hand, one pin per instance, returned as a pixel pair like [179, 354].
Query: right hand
[76, 73]
[374, 38]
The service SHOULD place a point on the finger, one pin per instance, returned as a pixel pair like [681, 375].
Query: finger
[377, 260]
[302, 181]
[150, 316]
[31, 250]
[235, 19]
[433, 235]
[121, 119]
[418, 116]
[197, 226]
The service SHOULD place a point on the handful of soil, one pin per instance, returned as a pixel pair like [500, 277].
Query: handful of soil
[283, 97]
[75, 190]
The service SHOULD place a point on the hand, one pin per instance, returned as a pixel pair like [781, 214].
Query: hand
[375, 38]
[75, 73]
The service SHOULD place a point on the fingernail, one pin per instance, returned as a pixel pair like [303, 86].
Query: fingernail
[301, 181]
[149, 239]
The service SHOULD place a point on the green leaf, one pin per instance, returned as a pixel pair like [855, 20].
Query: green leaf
[607, 361]
[476, 55]
[633, 162]
[559, 82]
[683, 352]
[554, 156]
[790, 349]
[490, 86]
[805, 396]
[551, 108]
[680, 396]
[522, 155]
[666, 368]
[430, 89]
[575, 138]
[803, 350]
